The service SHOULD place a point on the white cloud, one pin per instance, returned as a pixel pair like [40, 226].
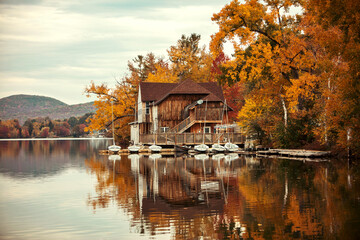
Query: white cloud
[39, 24]
[65, 44]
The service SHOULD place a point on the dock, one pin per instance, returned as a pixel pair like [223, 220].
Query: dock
[164, 151]
[290, 154]
[296, 153]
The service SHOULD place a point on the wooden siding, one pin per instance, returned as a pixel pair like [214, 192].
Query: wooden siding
[199, 127]
[170, 111]
[145, 128]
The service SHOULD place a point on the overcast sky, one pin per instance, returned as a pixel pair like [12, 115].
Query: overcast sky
[56, 47]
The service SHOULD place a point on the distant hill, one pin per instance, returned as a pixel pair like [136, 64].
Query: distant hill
[22, 107]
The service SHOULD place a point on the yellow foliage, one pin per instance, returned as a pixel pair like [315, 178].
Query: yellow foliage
[123, 98]
[255, 110]
[301, 88]
[162, 74]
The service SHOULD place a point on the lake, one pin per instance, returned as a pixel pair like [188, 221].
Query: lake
[64, 189]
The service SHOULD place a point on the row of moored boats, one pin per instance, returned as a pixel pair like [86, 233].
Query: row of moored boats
[134, 148]
[217, 147]
[202, 148]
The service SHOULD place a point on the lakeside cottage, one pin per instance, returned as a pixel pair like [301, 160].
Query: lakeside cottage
[180, 113]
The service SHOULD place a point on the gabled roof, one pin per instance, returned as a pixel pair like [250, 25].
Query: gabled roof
[186, 87]
[157, 92]
[216, 92]
[153, 91]
[189, 87]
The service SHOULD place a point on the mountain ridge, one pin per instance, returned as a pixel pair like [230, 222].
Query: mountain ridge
[23, 106]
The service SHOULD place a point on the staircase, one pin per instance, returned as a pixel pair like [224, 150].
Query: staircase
[185, 124]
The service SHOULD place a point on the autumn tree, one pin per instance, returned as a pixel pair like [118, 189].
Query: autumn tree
[233, 91]
[78, 130]
[25, 132]
[271, 57]
[45, 132]
[4, 131]
[73, 121]
[122, 98]
[300, 71]
[61, 129]
[335, 28]
[29, 126]
[186, 60]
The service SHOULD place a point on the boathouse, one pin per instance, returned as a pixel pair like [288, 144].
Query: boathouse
[183, 113]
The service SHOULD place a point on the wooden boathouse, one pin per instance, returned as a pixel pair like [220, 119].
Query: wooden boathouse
[184, 113]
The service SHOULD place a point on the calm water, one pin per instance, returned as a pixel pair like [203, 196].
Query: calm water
[65, 189]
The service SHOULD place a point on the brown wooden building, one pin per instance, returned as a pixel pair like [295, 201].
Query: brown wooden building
[178, 113]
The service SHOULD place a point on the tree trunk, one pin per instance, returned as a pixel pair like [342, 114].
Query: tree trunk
[285, 111]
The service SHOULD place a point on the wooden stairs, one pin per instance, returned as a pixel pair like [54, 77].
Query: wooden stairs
[182, 126]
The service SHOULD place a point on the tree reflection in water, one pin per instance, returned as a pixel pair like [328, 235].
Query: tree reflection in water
[229, 198]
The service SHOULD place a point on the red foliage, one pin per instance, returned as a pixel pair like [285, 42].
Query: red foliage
[44, 132]
[25, 132]
[4, 132]
[62, 131]
[220, 59]
[234, 98]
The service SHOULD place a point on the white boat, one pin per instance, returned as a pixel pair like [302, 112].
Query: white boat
[155, 156]
[113, 148]
[218, 156]
[217, 148]
[231, 157]
[201, 148]
[201, 157]
[231, 147]
[155, 148]
[134, 148]
[134, 157]
[114, 158]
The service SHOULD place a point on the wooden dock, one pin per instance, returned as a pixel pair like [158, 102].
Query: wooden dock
[191, 139]
[297, 153]
[291, 154]
[164, 151]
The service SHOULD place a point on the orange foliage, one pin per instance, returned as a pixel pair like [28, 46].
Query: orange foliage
[123, 97]
[295, 67]
[186, 61]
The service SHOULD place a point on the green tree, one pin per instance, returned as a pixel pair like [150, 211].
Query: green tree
[73, 121]
[29, 124]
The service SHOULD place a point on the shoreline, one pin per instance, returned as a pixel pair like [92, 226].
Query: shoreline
[51, 139]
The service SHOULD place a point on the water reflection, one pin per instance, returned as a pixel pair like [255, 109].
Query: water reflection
[65, 189]
[227, 196]
[26, 159]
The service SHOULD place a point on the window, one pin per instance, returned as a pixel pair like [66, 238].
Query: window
[147, 108]
[164, 129]
[207, 129]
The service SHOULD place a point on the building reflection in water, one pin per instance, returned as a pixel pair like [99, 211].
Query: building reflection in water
[227, 196]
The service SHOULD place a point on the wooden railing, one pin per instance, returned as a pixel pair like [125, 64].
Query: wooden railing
[185, 124]
[191, 138]
[212, 114]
